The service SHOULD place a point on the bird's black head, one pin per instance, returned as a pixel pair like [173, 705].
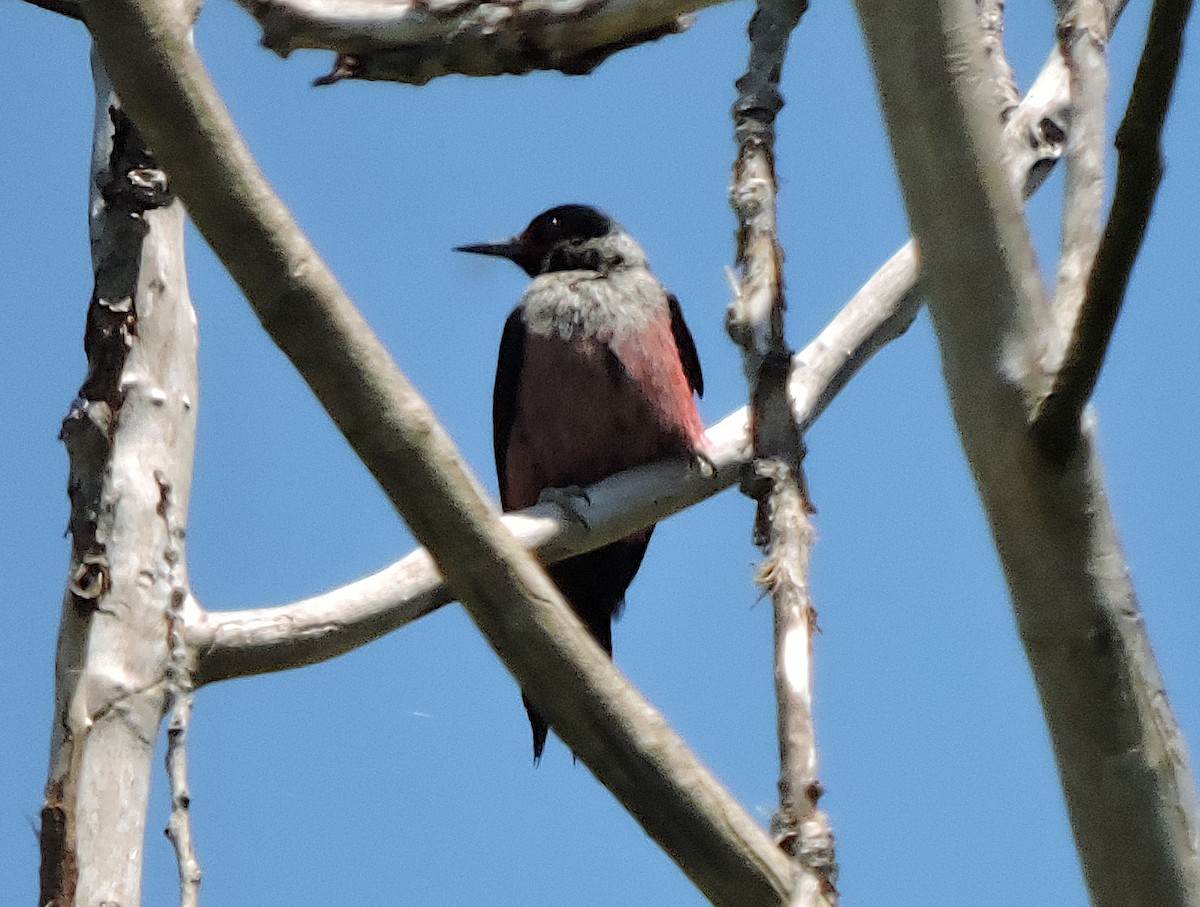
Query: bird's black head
[561, 239]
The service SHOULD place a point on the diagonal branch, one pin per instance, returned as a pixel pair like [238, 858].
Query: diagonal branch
[1139, 172]
[415, 41]
[611, 727]
[254, 641]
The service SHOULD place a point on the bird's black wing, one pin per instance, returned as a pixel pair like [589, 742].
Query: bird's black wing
[686, 346]
[504, 395]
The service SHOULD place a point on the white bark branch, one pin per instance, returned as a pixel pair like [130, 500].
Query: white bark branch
[179, 698]
[179, 827]
[132, 425]
[258, 640]
[1036, 133]
[799, 826]
[1083, 42]
[413, 41]
[1126, 775]
[1139, 172]
[607, 723]
[1003, 80]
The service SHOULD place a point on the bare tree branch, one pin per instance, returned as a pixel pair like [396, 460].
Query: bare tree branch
[179, 827]
[1003, 80]
[255, 641]
[611, 727]
[259, 640]
[799, 826]
[179, 690]
[1124, 767]
[1036, 133]
[1083, 41]
[1139, 172]
[882, 310]
[415, 41]
[755, 321]
[131, 427]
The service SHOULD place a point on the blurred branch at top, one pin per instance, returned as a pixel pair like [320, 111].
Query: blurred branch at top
[416, 41]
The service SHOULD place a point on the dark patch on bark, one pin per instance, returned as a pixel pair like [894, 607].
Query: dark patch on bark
[57, 873]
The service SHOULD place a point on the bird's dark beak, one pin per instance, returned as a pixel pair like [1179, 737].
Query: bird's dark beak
[511, 249]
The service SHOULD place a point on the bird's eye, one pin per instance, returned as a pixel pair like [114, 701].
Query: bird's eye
[547, 231]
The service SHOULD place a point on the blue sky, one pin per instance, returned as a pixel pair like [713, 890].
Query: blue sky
[401, 773]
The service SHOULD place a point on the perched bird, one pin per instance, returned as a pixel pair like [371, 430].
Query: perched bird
[597, 373]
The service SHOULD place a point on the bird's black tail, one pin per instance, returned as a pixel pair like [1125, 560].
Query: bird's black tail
[594, 583]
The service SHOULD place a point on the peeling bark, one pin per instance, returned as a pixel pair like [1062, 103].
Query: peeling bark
[131, 427]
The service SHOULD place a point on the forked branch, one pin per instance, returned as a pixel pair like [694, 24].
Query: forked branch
[1139, 172]
[1129, 786]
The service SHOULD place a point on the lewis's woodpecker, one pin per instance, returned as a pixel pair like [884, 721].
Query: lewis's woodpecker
[597, 373]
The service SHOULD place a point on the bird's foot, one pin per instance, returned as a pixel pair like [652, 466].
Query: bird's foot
[567, 500]
[704, 464]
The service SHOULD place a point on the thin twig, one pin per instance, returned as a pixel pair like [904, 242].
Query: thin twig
[179, 827]
[179, 688]
[798, 826]
[1139, 172]
[755, 322]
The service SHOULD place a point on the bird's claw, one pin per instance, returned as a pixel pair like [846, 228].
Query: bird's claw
[704, 464]
[567, 500]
